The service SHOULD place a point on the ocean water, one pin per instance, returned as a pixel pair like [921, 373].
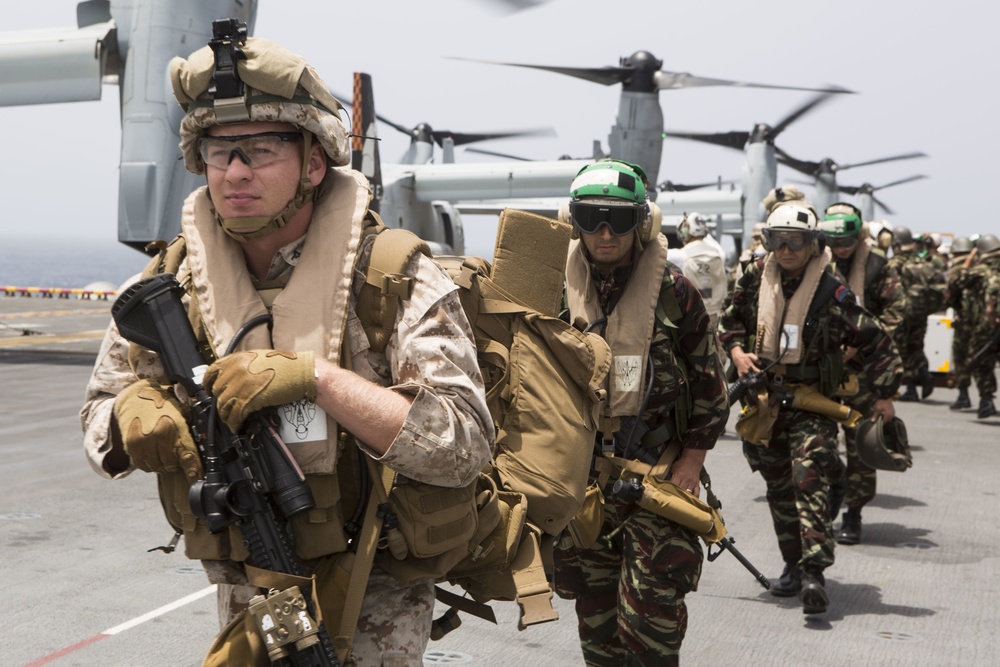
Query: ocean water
[29, 260]
[40, 261]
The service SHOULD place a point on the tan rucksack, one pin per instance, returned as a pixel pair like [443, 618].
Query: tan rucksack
[543, 385]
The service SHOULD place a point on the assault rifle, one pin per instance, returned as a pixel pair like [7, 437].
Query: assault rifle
[251, 480]
[993, 342]
[631, 490]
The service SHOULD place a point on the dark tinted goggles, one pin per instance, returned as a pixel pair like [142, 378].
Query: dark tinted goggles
[841, 241]
[776, 239]
[621, 220]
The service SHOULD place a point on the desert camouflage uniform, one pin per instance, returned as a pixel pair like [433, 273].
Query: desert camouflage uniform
[964, 297]
[886, 300]
[630, 587]
[802, 461]
[986, 274]
[445, 439]
[924, 285]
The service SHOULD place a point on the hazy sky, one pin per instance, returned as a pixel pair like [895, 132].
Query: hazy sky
[926, 82]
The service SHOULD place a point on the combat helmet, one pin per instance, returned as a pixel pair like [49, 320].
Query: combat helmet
[613, 193]
[901, 236]
[961, 246]
[884, 446]
[239, 79]
[783, 195]
[693, 226]
[987, 243]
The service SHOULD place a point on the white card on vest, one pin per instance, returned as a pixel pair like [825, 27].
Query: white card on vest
[792, 336]
[301, 421]
[627, 373]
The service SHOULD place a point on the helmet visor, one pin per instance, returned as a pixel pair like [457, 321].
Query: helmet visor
[255, 150]
[589, 217]
[776, 239]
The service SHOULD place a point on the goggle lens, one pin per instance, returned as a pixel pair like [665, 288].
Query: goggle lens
[589, 218]
[841, 241]
[255, 150]
[794, 241]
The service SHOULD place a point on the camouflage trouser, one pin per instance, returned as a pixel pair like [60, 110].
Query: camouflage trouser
[630, 589]
[912, 351]
[961, 353]
[798, 466]
[860, 478]
[982, 370]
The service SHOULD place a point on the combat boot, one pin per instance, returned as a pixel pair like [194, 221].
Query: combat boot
[927, 386]
[813, 594]
[986, 407]
[910, 395]
[850, 527]
[835, 498]
[962, 402]
[789, 583]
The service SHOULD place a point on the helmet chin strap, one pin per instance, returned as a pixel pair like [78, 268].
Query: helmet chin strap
[305, 193]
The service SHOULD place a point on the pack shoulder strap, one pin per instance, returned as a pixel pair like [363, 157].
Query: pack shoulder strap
[386, 282]
[827, 288]
[873, 267]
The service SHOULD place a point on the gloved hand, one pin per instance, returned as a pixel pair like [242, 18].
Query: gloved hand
[245, 382]
[154, 432]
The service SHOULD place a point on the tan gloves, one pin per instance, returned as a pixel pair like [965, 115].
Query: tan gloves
[245, 382]
[154, 431]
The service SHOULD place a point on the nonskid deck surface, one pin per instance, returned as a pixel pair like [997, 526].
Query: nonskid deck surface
[919, 589]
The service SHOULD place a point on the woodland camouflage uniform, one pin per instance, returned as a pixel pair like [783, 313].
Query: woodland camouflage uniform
[801, 461]
[886, 300]
[924, 285]
[964, 296]
[630, 587]
[986, 275]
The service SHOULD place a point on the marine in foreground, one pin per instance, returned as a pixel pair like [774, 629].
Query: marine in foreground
[280, 230]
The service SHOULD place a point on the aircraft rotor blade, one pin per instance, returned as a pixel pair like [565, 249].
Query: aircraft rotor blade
[810, 104]
[462, 138]
[496, 154]
[849, 189]
[607, 76]
[396, 126]
[733, 139]
[905, 156]
[882, 206]
[665, 80]
[901, 181]
[803, 166]
[670, 186]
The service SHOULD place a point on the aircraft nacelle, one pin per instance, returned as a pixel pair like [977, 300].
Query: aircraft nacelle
[637, 137]
[825, 191]
[130, 42]
[153, 181]
[757, 177]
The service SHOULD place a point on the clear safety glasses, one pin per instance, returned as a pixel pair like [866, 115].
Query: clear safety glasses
[589, 218]
[793, 240]
[254, 150]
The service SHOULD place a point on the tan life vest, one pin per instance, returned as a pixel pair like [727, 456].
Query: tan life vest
[629, 329]
[313, 295]
[774, 315]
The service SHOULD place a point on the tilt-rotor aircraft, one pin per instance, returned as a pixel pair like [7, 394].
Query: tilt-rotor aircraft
[130, 42]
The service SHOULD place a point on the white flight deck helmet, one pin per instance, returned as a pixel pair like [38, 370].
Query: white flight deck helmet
[239, 79]
[693, 226]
